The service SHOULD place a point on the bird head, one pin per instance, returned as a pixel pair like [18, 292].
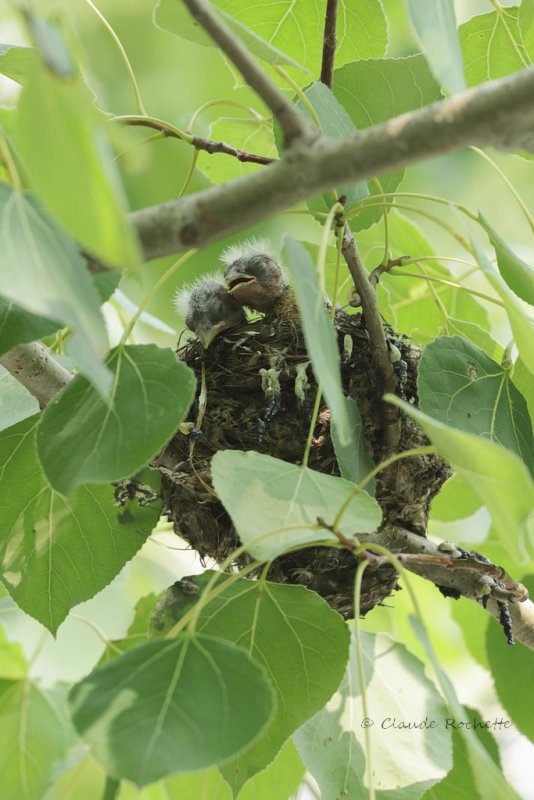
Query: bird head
[252, 275]
[208, 309]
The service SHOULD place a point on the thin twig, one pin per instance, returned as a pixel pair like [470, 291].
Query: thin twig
[294, 125]
[329, 43]
[221, 147]
[199, 142]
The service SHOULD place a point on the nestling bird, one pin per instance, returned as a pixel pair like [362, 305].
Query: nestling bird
[254, 278]
[208, 309]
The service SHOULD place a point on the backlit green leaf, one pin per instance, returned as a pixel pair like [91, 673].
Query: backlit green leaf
[16, 403]
[332, 744]
[43, 272]
[518, 275]
[55, 554]
[522, 323]
[499, 478]
[172, 706]
[275, 505]
[34, 737]
[512, 669]
[83, 439]
[459, 385]
[492, 45]
[305, 666]
[290, 31]
[488, 776]
[16, 62]
[63, 141]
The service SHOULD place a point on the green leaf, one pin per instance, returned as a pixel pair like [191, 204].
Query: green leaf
[518, 275]
[512, 669]
[305, 666]
[279, 781]
[12, 662]
[63, 141]
[82, 439]
[172, 706]
[332, 744]
[526, 26]
[492, 46]
[521, 323]
[488, 776]
[252, 134]
[54, 553]
[522, 378]
[275, 505]
[335, 122]
[34, 737]
[354, 461]
[459, 385]
[273, 30]
[43, 272]
[105, 283]
[409, 303]
[16, 403]
[375, 90]
[319, 334]
[477, 335]
[16, 62]
[497, 476]
[137, 632]
[18, 325]
[435, 25]
[459, 783]
[455, 500]
[172, 17]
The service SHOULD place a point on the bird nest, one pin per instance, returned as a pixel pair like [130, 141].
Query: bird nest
[255, 391]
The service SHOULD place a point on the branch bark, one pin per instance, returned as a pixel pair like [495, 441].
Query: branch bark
[33, 366]
[294, 125]
[498, 113]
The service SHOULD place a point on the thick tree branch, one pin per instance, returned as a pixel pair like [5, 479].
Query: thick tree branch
[499, 113]
[468, 577]
[294, 124]
[33, 366]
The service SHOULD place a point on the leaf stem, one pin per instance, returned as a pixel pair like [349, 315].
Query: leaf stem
[508, 182]
[151, 292]
[111, 788]
[358, 578]
[445, 282]
[415, 451]
[122, 51]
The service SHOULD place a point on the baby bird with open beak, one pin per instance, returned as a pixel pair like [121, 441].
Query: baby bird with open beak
[253, 277]
[208, 309]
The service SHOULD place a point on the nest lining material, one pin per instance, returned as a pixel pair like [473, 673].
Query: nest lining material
[259, 392]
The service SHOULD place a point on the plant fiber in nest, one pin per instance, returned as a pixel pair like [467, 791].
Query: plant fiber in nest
[234, 409]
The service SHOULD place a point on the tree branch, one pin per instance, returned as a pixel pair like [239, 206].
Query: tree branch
[294, 124]
[468, 577]
[379, 348]
[329, 43]
[498, 113]
[33, 366]
[198, 142]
